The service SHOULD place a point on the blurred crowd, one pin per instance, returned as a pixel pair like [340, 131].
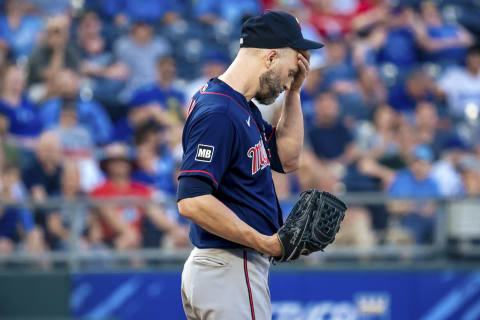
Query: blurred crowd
[93, 97]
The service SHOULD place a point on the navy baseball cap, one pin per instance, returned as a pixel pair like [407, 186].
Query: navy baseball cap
[273, 30]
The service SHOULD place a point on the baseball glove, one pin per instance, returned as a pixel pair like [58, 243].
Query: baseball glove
[312, 224]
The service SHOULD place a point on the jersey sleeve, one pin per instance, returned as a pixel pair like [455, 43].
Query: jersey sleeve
[271, 146]
[208, 146]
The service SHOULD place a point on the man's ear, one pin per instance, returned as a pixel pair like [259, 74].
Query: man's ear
[270, 57]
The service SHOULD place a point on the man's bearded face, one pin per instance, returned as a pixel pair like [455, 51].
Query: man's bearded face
[270, 87]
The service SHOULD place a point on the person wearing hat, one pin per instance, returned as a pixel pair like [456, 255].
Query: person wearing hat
[225, 180]
[120, 225]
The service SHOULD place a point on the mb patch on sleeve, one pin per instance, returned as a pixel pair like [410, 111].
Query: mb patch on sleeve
[204, 153]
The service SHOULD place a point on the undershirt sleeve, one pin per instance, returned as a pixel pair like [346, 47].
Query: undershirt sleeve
[193, 186]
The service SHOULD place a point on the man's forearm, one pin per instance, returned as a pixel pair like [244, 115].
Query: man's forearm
[289, 133]
[213, 216]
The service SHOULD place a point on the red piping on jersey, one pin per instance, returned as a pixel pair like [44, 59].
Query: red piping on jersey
[245, 269]
[271, 134]
[238, 104]
[201, 171]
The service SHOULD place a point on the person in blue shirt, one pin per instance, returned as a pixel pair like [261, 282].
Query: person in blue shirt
[225, 180]
[399, 44]
[445, 43]
[329, 138]
[91, 114]
[19, 30]
[417, 88]
[417, 214]
[16, 223]
[163, 91]
[24, 125]
[155, 163]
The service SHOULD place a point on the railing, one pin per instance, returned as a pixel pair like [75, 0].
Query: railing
[456, 219]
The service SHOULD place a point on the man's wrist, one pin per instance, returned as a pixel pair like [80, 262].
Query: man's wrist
[293, 92]
[270, 245]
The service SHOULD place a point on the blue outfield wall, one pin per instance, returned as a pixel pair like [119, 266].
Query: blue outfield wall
[300, 295]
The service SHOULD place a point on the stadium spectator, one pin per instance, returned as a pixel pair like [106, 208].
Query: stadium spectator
[89, 26]
[24, 125]
[415, 182]
[163, 92]
[339, 73]
[331, 142]
[138, 116]
[155, 164]
[71, 216]
[329, 138]
[139, 50]
[461, 86]
[360, 100]
[397, 45]
[445, 172]
[91, 114]
[52, 55]
[75, 140]
[19, 29]
[469, 168]
[427, 128]
[444, 43]
[418, 87]
[380, 141]
[42, 178]
[120, 225]
[16, 223]
[107, 75]
[77, 146]
[372, 89]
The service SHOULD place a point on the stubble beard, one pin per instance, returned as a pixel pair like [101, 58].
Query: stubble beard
[270, 87]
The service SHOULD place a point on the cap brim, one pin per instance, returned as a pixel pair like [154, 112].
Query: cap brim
[304, 44]
[104, 162]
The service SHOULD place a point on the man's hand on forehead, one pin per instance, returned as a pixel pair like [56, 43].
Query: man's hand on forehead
[305, 53]
[302, 71]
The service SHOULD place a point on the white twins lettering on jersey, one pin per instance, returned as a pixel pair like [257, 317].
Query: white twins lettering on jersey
[259, 157]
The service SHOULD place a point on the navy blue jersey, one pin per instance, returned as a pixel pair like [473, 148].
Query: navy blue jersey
[226, 141]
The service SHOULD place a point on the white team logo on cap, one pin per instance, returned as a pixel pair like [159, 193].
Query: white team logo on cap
[241, 40]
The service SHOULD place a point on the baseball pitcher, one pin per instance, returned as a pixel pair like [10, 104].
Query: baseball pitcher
[225, 182]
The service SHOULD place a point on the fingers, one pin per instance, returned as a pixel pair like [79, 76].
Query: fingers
[305, 53]
[303, 63]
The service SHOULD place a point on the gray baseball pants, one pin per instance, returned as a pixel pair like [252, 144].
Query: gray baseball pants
[230, 284]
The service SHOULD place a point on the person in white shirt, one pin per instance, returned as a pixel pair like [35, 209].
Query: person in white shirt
[461, 86]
